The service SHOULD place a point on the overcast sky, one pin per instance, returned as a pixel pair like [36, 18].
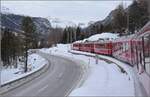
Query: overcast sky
[76, 11]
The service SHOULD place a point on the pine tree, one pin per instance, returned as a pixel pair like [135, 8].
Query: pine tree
[64, 38]
[4, 47]
[29, 28]
[78, 33]
[120, 19]
[138, 15]
[9, 48]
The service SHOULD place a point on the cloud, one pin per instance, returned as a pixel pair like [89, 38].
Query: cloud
[76, 11]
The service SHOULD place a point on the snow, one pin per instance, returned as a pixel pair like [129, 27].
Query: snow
[35, 62]
[100, 37]
[111, 81]
[58, 22]
[125, 38]
[104, 78]
[104, 36]
[79, 41]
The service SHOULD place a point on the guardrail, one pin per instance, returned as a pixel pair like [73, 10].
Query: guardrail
[20, 81]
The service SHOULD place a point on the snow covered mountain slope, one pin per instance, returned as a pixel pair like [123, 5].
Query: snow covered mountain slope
[56, 22]
[13, 21]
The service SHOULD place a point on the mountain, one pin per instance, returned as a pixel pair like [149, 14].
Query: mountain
[56, 22]
[109, 18]
[131, 19]
[13, 22]
[91, 29]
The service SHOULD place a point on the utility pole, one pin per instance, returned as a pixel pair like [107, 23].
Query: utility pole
[0, 57]
[149, 8]
[143, 51]
[127, 14]
[127, 19]
[26, 56]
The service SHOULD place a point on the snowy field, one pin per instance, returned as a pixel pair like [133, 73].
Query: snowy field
[104, 78]
[35, 62]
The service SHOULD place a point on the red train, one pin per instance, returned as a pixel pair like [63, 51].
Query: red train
[104, 47]
[133, 49]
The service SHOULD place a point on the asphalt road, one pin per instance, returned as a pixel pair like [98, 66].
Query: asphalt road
[59, 80]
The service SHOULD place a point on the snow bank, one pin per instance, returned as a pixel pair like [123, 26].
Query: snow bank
[35, 62]
[79, 41]
[104, 79]
[103, 36]
[99, 37]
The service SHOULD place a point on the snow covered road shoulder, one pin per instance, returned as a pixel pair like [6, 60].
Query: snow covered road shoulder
[35, 63]
[105, 80]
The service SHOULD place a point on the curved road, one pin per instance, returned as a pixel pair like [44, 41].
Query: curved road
[59, 80]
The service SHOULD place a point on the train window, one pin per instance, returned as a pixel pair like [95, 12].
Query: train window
[118, 46]
[123, 45]
[101, 45]
[127, 46]
[76, 45]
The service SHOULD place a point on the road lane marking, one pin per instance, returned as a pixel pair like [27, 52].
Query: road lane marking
[42, 89]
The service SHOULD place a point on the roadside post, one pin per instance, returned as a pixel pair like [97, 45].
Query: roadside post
[50, 52]
[89, 62]
[0, 71]
[96, 58]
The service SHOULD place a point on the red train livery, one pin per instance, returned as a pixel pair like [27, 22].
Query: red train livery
[131, 49]
[122, 49]
[104, 47]
[76, 46]
[87, 47]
